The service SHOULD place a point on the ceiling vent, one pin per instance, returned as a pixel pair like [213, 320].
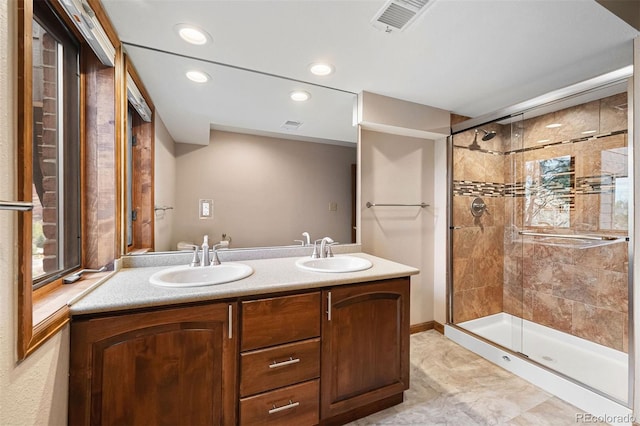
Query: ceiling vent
[397, 15]
[291, 125]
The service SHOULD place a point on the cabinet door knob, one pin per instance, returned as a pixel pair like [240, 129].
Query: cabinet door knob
[289, 406]
[290, 361]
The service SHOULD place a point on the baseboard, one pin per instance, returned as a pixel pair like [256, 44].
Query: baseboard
[438, 327]
[423, 326]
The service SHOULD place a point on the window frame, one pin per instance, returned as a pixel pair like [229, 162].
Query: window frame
[43, 312]
[31, 334]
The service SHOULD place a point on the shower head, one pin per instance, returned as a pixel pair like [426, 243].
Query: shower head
[487, 135]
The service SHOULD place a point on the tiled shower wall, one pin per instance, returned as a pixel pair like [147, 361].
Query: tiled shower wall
[581, 291]
[478, 242]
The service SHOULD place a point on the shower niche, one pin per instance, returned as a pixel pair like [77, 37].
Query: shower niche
[545, 275]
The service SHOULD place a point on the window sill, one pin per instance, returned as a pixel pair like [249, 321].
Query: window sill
[51, 306]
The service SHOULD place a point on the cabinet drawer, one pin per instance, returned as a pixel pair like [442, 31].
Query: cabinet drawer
[277, 320]
[294, 405]
[266, 369]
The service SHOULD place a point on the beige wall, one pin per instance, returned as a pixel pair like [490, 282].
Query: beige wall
[398, 166]
[396, 170]
[164, 185]
[395, 116]
[266, 191]
[35, 391]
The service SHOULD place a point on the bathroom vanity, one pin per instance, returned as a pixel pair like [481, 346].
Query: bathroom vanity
[283, 346]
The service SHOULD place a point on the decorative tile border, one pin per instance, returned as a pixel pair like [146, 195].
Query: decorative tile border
[477, 189]
[603, 184]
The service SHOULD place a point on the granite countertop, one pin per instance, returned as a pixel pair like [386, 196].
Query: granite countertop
[130, 287]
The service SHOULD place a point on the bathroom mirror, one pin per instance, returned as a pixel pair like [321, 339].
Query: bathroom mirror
[265, 168]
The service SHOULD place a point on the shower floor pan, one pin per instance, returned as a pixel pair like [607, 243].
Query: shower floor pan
[597, 366]
[596, 363]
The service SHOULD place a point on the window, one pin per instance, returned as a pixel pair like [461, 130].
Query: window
[614, 189]
[56, 219]
[548, 191]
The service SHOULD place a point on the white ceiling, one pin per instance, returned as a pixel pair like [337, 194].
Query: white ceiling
[469, 57]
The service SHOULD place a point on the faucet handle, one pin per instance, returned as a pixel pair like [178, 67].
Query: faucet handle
[329, 252]
[196, 259]
[299, 241]
[215, 260]
[315, 254]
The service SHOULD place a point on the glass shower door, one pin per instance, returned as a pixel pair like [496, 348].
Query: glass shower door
[574, 227]
[479, 225]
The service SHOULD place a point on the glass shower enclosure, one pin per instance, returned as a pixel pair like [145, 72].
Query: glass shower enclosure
[541, 213]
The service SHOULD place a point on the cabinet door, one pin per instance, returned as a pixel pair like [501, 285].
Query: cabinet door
[166, 367]
[365, 346]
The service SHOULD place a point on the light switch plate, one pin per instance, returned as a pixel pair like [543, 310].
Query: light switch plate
[205, 208]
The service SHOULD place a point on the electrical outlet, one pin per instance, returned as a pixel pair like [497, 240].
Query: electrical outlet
[205, 208]
[333, 206]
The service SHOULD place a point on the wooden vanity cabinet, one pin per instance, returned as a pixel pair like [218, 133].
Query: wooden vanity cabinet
[324, 356]
[365, 349]
[161, 367]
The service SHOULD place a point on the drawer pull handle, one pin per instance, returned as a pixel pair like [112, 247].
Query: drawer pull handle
[289, 406]
[290, 361]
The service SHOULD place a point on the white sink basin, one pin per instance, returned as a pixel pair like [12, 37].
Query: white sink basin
[188, 276]
[334, 264]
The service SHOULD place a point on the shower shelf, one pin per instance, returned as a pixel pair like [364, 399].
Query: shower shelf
[575, 241]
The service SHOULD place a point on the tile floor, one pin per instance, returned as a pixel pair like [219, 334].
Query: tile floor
[453, 386]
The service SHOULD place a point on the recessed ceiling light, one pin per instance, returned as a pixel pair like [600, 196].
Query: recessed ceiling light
[198, 76]
[588, 132]
[320, 68]
[192, 34]
[553, 125]
[300, 95]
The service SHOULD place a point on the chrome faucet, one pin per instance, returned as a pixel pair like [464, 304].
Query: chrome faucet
[208, 259]
[306, 242]
[323, 247]
[205, 252]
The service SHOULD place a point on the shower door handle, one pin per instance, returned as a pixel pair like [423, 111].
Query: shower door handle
[572, 236]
